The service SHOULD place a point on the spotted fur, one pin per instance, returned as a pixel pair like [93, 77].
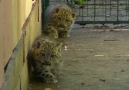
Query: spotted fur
[60, 17]
[46, 59]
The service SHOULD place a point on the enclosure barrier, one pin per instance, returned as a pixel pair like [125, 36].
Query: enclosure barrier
[16, 72]
[98, 11]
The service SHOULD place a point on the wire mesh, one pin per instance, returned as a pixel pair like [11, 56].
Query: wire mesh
[99, 11]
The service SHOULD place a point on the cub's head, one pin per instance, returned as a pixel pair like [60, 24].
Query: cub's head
[44, 51]
[63, 18]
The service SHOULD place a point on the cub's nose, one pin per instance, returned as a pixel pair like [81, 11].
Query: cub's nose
[47, 63]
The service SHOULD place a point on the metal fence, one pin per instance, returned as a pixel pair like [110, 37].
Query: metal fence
[99, 11]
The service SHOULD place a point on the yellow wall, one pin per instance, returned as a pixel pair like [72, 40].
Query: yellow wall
[28, 4]
[1, 49]
[13, 25]
[5, 35]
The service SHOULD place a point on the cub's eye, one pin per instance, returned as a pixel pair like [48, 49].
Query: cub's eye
[42, 54]
[53, 55]
[67, 20]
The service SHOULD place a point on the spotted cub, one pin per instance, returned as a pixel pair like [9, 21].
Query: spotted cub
[46, 59]
[59, 17]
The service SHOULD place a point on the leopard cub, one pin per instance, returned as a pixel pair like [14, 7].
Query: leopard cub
[59, 17]
[46, 59]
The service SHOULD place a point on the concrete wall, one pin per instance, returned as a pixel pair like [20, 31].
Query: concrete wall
[20, 24]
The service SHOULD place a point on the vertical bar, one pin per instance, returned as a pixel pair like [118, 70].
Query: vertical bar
[128, 9]
[117, 10]
[87, 7]
[105, 10]
[79, 14]
[42, 13]
[126, 6]
[94, 9]
[110, 8]
[45, 4]
[70, 1]
[82, 14]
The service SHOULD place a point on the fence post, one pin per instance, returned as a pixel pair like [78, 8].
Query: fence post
[45, 4]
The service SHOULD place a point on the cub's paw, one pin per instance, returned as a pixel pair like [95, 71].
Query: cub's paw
[64, 34]
[48, 78]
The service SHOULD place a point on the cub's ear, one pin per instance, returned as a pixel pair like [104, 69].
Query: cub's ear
[57, 10]
[37, 45]
[73, 14]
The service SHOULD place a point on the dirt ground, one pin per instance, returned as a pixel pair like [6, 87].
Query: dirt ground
[94, 59]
